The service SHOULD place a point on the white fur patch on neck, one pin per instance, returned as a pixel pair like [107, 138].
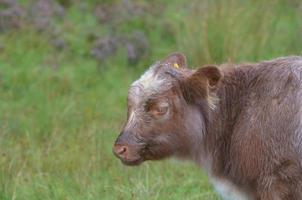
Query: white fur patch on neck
[228, 190]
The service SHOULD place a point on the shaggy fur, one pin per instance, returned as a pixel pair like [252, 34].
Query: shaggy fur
[241, 123]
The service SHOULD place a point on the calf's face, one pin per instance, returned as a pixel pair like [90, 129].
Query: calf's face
[165, 111]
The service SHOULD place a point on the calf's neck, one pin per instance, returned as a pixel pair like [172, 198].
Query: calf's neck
[241, 123]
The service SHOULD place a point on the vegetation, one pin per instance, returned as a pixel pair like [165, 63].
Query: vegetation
[61, 108]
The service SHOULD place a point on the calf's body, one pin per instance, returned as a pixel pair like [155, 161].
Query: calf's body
[241, 123]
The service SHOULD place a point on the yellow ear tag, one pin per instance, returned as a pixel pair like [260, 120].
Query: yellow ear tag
[176, 65]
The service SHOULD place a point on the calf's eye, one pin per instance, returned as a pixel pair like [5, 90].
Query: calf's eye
[161, 110]
[157, 108]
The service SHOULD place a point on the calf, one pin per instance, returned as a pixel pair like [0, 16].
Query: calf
[241, 123]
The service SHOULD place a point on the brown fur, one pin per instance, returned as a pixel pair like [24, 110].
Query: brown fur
[251, 138]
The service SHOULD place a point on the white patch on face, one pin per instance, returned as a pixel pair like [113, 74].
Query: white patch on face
[151, 83]
[131, 120]
[228, 190]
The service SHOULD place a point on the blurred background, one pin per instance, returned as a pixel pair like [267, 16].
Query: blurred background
[65, 68]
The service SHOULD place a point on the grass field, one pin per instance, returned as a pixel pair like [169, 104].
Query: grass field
[61, 110]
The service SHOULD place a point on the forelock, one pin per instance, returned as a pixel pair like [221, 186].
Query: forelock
[153, 81]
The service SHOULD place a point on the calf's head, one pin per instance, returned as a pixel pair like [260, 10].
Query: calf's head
[167, 108]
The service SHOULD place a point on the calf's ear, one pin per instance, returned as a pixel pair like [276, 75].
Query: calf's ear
[176, 60]
[198, 86]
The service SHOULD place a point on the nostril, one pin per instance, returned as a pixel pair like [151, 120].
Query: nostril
[120, 150]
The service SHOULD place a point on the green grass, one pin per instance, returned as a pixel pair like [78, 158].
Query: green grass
[61, 110]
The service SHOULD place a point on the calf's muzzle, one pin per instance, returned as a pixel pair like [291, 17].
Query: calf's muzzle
[127, 149]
